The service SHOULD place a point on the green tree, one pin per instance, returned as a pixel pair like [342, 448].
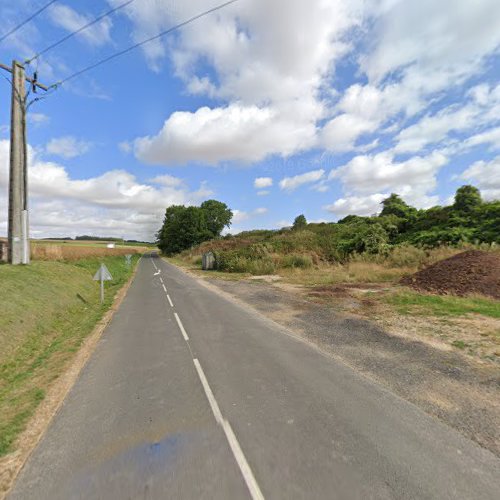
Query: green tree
[217, 216]
[395, 205]
[300, 222]
[374, 239]
[184, 227]
[467, 198]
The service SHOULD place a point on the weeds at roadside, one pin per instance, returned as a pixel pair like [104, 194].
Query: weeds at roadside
[460, 344]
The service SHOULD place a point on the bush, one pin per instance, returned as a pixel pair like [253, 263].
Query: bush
[253, 261]
[406, 256]
[292, 261]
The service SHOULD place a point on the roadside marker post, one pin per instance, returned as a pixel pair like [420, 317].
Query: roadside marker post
[102, 275]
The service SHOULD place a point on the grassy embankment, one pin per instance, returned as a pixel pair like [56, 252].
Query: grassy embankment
[48, 309]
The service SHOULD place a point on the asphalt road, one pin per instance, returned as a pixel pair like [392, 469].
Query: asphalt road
[189, 395]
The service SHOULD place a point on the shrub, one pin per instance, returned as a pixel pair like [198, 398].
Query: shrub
[292, 261]
[406, 256]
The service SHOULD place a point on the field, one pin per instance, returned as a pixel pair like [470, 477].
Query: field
[48, 309]
[70, 250]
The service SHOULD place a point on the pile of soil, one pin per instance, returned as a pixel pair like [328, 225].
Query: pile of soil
[463, 274]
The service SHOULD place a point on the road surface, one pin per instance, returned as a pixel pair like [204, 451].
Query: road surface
[189, 395]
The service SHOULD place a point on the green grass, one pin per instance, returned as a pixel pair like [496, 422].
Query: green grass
[442, 305]
[460, 344]
[48, 309]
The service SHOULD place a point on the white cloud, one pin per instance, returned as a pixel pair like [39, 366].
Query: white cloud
[321, 187]
[341, 133]
[67, 147]
[260, 211]
[436, 43]
[263, 193]
[263, 182]
[37, 119]
[69, 19]
[491, 137]
[270, 78]
[114, 204]
[236, 132]
[356, 205]
[276, 87]
[483, 108]
[413, 179]
[239, 216]
[292, 183]
[486, 176]
[412, 61]
[167, 180]
[125, 147]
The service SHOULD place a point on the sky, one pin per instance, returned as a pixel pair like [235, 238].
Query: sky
[275, 107]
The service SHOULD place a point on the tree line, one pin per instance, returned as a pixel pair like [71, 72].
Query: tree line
[468, 219]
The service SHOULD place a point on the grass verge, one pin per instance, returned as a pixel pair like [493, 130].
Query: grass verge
[414, 303]
[48, 309]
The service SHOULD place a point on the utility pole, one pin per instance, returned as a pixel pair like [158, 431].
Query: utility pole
[18, 232]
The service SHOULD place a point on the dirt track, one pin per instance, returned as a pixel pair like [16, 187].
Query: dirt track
[461, 392]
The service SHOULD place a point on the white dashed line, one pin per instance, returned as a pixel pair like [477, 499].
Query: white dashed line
[245, 469]
[164, 287]
[184, 334]
[169, 300]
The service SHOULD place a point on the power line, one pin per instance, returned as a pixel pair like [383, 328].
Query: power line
[143, 42]
[79, 30]
[39, 11]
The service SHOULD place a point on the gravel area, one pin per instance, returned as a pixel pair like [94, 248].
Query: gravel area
[463, 393]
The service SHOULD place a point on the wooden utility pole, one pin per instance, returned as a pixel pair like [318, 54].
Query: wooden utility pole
[18, 232]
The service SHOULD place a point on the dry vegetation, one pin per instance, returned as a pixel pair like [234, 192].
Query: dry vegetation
[306, 268]
[71, 252]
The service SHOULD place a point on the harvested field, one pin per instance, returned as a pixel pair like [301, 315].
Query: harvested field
[45, 251]
[467, 273]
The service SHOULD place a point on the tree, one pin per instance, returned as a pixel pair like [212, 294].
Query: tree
[217, 215]
[395, 205]
[300, 222]
[184, 227]
[467, 198]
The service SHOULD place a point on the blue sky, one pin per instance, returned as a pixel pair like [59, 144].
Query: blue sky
[276, 107]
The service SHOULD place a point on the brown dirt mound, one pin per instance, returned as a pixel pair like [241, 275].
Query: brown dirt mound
[463, 274]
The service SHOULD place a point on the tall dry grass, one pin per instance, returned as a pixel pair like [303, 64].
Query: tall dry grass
[51, 252]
